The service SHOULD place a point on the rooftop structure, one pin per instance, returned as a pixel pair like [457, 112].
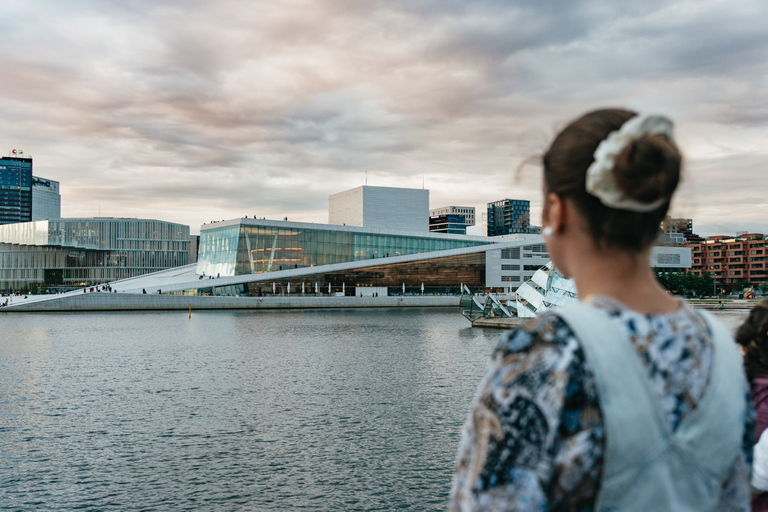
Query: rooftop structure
[405, 209]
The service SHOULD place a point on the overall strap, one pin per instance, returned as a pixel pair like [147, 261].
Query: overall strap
[631, 411]
[724, 403]
[646, 467]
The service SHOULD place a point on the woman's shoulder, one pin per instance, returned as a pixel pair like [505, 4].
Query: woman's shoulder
[547, 331]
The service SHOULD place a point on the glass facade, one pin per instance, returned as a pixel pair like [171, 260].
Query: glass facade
[15, 190]
[432, 276]
[46, 200]
[452, 224]
[251, 247]
[78, 252]
[508, 216]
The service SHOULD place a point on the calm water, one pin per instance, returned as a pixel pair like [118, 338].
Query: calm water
[319, 410]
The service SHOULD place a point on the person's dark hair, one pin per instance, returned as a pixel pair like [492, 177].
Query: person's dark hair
[648, 169]
[753, 336]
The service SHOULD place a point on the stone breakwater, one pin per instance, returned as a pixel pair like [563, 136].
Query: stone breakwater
[141, 302]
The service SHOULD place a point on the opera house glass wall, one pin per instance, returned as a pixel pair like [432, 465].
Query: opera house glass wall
[251, 246]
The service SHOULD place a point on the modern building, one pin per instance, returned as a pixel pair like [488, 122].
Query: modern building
[452, 224]
[731, 260]
[257, 257]
[194, 246]
[678, 232]
[15, 189]
[508, 216]
[468, 212]
[404, 209]
[46, 199]
[81, 252]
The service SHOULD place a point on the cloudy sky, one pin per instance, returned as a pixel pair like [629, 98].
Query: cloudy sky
[196, 110]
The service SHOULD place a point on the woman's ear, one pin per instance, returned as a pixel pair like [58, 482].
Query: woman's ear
[555, 212]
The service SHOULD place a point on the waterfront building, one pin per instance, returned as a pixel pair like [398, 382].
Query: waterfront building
[731, 260]
[405, 209]
[15, 189]
[82, 252]
[468, 212]
[258, 257]
[453, 224]
[194, 246]
[508, 216]
[46, 199]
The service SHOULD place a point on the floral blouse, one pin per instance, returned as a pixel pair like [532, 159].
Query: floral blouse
[534, 439]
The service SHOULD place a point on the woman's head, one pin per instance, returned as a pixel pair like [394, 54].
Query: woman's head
[646, 170]
[753, 336]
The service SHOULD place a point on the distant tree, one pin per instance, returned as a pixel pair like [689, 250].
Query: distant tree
[685, 283]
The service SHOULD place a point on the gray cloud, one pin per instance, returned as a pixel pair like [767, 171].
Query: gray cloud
[192, 111]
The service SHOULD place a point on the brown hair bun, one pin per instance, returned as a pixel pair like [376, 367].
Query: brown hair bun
[648, 169]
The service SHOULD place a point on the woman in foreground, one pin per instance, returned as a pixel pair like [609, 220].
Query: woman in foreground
[628, 400]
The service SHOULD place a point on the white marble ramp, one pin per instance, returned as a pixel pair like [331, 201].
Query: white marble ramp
[137, 302]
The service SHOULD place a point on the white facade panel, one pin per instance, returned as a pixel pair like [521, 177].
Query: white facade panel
[346, 208]
[402, 209]
[405, 209]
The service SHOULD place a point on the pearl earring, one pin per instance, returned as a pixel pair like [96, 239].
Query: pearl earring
[547, 232]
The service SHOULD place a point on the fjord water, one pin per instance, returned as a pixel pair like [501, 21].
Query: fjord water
[276, 410]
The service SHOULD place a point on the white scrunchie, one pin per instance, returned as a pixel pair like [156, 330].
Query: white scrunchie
[600, 180]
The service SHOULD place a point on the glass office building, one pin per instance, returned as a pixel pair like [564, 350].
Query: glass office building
[451, 224]
[252, 246]
[15, 189]
[80, 252]
[508, 216]
[46, 200]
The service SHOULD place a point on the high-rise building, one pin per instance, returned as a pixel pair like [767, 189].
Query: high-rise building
[403, 209]
[468, 212]
[453, 224]
[15, 189]
[509, 216]
[46, 200]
